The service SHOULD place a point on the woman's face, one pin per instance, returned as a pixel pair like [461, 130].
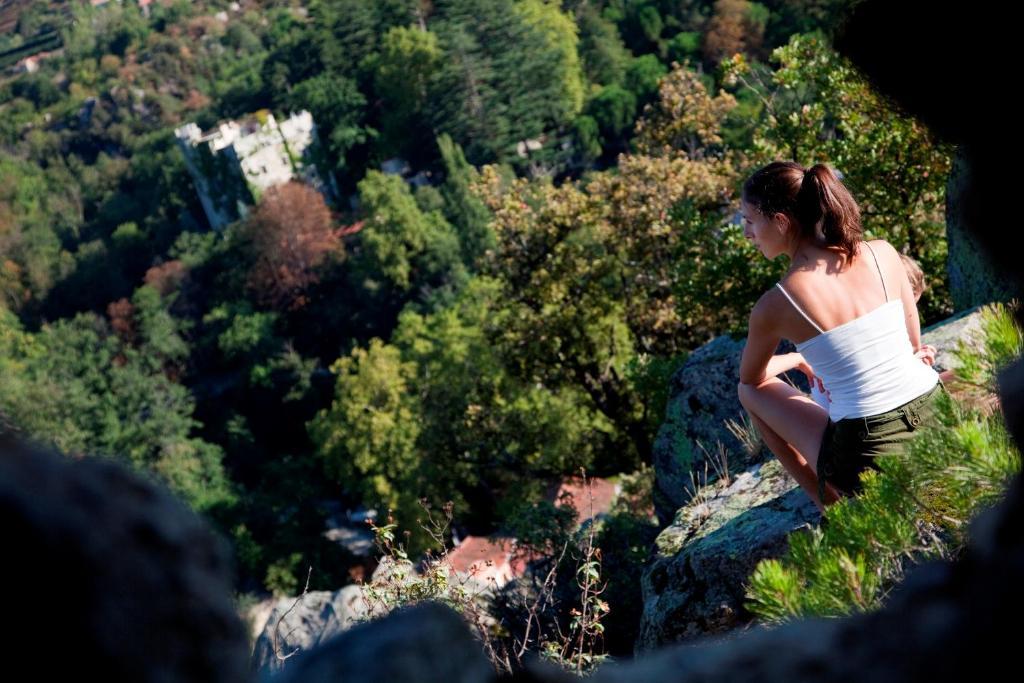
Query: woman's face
[768, 235]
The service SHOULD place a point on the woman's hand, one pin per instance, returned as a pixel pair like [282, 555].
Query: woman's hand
[803, 366]
[927, 354]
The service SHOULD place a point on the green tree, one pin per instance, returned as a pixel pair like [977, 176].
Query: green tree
[38, 89]
[36, 212]
[349, 32]
[587, 139]
[553, 77]
[601, 49]
[400, 246]
[119, 29]
[434, 414]
[563, 322]
[463, 209]
[614, 110]
[683, 46]
[485, 434]
[640, 22]
[511, 73]
[642, 77]
[77, 386]
[600, 276]
[790, 17]
[367, 438]
[293, 59]
[339, 109]
[464, 100]
[408, 62]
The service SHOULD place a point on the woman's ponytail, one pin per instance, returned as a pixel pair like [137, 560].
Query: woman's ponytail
[824, 200]
[811, 197]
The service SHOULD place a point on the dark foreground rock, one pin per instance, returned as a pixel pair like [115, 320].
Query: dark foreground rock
[110, 577]
[427, 643]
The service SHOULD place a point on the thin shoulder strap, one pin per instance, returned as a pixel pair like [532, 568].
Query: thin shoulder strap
[797, 307]
[884, 291]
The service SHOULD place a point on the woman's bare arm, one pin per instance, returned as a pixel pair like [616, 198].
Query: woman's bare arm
[759, 361]
[909, 304]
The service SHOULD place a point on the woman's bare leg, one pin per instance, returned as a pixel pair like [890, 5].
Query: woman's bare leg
[796, 465]
[792, 426]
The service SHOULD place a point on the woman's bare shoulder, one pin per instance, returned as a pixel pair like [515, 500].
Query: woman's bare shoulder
[887, 255]
[881, 247]
[768, 308]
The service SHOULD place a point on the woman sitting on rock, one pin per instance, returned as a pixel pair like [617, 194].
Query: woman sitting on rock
[849, 307]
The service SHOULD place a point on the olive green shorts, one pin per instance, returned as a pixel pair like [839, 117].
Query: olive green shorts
[851, 445]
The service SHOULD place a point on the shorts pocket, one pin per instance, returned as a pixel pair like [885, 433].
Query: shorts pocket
[886, 428]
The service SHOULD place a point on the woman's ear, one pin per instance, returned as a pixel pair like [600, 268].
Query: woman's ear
[782, 224]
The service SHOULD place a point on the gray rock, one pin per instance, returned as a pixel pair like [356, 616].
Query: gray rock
[389, 569]
[298, 625]
[702, 399]
[694, 408]
[426, 643]
[694, 585]
[301, 625]
[947, 334]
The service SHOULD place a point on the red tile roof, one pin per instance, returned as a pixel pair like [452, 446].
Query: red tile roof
[484, 559]
[498, 558]
[479, 550]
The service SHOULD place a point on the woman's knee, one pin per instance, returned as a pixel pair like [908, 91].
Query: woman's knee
[746, 393]
[743, 393]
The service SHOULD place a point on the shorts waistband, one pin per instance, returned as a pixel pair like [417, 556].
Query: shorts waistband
[907, 410]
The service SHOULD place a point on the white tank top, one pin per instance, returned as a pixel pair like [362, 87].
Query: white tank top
[867, 364]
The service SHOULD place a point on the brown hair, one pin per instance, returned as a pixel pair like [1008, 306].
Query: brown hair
[915, 274]
[807, 197]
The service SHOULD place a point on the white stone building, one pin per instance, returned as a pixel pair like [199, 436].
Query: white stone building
[236, 162]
